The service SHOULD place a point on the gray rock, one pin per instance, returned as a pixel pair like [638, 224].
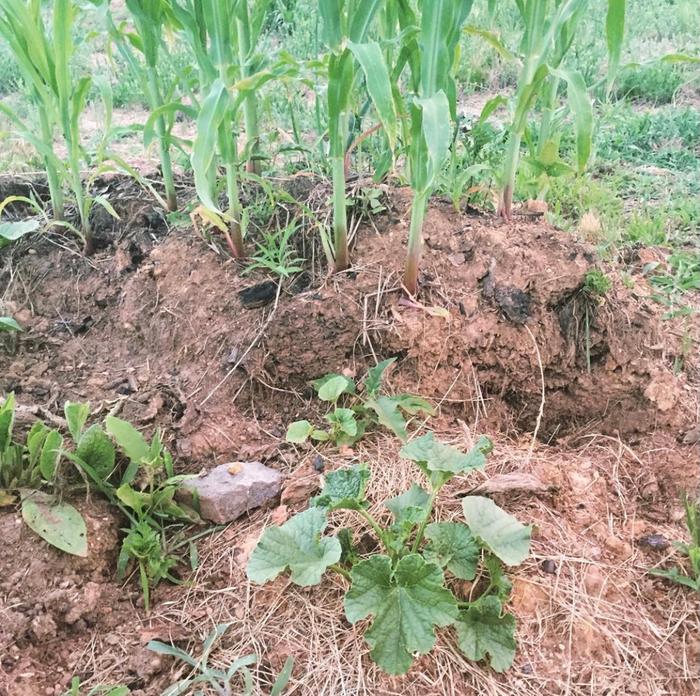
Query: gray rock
[232, 489]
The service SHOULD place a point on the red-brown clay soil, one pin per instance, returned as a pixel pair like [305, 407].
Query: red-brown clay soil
[155, 326]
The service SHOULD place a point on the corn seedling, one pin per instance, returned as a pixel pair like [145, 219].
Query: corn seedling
[403, 586]
[346, 27]
[44, 57]
[680, 575]
[369, 407]
[549, 27]
[217, 679]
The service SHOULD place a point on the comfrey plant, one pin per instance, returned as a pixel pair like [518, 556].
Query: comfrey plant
[403, 586]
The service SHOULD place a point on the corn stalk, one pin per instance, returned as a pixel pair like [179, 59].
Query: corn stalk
[150, 17]
[346, 28]
[431, 57]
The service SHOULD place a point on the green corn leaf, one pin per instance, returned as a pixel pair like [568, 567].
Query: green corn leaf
[500, 532]
[371, 60]
[582, 110]
[344, 489]
[493, 40]
[331, 14]
[298, 546]
[431, 135]
[212, 115]
[482, 631]
[50, 454]
[407, 604]
[615, 34]
[452, 546]
[60, 524]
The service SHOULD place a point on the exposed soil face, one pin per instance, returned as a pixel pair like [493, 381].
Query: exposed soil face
[155, 325]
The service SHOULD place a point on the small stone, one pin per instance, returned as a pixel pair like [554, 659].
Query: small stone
[44, 627]
[224, 496]
[655, 542]
[618, 546]
[549, 566]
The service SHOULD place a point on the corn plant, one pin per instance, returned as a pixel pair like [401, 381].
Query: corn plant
[346, 27]
[43, 51]
[431, 57]
[549, 27]
[150, 18]
[223, 36]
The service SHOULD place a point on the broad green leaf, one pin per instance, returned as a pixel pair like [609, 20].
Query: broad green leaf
[440, 461]
[493, 40]
[60, 524]
[96, 449]
[50, 454]
[500, 532]
[344, 488]
[452, 546]
[35, 442]
[330, 387]
[388, 415]
[7, 420]
[298, 546]
[582, 110]
[9, 324]
[371, 60]
[409, 506]
[412, 404]
[481, 631]
[344, 418]
[375, 375]
[299, 431]
[76, 417]
[136, 500]
[130, 440]
[12, 231]
[407, 604]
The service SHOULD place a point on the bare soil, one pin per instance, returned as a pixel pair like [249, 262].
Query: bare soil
[504, 337]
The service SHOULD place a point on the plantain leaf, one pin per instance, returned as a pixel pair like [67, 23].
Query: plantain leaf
[50, 454]
[76, 415]
[60, 524]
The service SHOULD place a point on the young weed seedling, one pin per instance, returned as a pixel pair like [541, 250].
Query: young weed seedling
[403, 586]
[219, 680]
[371, 407]
[691, 551]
